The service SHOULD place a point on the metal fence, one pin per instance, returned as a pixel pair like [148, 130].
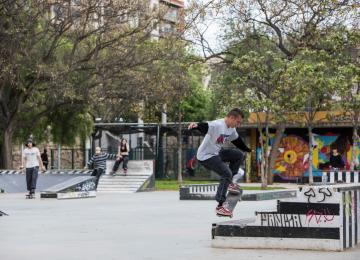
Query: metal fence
[166, 161]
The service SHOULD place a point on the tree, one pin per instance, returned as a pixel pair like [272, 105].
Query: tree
[294, 28]
[348, 89]
[309, 85]
[57, 56]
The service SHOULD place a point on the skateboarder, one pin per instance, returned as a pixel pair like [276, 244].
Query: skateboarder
[213, 157]
[32, 160]
[98, 160]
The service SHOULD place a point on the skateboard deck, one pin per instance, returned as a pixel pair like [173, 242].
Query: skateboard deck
[231, 201]
[28, 196]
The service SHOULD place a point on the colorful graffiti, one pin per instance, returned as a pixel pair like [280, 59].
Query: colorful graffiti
[322, 150]
[293, 158]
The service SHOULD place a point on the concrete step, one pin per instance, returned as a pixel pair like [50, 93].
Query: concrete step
[122, 182]
[122, 179]
[118, 189]
[115, 191]
[115, 186]
[110, 177]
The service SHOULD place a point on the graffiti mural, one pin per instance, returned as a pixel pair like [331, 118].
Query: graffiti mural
[293, 157]
[292, 160]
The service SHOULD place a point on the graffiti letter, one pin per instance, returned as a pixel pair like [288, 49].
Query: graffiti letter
[310, 193]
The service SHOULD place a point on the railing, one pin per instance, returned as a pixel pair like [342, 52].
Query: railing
[166, 160]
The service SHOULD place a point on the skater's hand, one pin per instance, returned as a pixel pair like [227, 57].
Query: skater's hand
[85, 168]
[119, 157]
[192, 125]
[43, 169]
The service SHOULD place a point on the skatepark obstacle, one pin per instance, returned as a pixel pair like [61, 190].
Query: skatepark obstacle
[320, 218]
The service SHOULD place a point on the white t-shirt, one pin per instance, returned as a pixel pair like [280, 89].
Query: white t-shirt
[31, 156]
[218, 134]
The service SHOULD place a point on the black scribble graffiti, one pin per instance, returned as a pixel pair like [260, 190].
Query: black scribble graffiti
[322, 194]
[86, 186]
[310, 193]
[325, 192]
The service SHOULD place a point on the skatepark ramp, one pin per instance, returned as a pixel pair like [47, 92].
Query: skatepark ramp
[208, 191]
[13, 181]
[140, 177]
[320, 218]
[78, 187]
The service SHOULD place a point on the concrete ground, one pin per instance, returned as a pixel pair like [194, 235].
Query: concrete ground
[154, 225]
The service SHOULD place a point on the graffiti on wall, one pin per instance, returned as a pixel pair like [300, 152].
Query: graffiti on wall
[293, 157]
[292, 160]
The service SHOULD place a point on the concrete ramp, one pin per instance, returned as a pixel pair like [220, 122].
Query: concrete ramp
[78, 187]
[320, 218]
[13, 181]
[140, 177]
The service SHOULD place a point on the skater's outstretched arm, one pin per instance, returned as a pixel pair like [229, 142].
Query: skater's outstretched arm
[111, 156]
[203, 127]
[239, 143]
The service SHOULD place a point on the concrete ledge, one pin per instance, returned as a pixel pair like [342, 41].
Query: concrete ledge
[208, 191]
[275, 243]
[320, 218]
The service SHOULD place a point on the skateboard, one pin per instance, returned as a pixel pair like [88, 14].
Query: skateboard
[2, 213]
[231, 201]
[30, 196]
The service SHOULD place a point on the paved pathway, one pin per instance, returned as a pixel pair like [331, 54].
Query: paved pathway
[155, 225]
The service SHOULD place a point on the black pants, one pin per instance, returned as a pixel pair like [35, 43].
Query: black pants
[97, 173]
[124, 159]
[31, 178]
[218, 164]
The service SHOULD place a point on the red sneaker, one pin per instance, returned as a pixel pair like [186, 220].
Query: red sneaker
[222, 211]
[125, 172]
[234, 188]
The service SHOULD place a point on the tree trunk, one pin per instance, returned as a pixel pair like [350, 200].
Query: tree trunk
[354, 146]
[267, 150]
[179, 151]
[262, 161]
[274, 151]
[7, 148]
[311, 179]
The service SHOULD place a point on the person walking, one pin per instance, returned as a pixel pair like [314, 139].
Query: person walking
[213, 156]
[124, 157]
[31, 159]
[98, 161]
[45, 158]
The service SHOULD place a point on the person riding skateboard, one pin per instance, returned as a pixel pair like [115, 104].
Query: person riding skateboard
[31, 159]
[213, 156]
[98, 160]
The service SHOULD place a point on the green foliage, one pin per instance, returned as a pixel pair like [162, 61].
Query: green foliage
[67, 125]
[197, 105]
